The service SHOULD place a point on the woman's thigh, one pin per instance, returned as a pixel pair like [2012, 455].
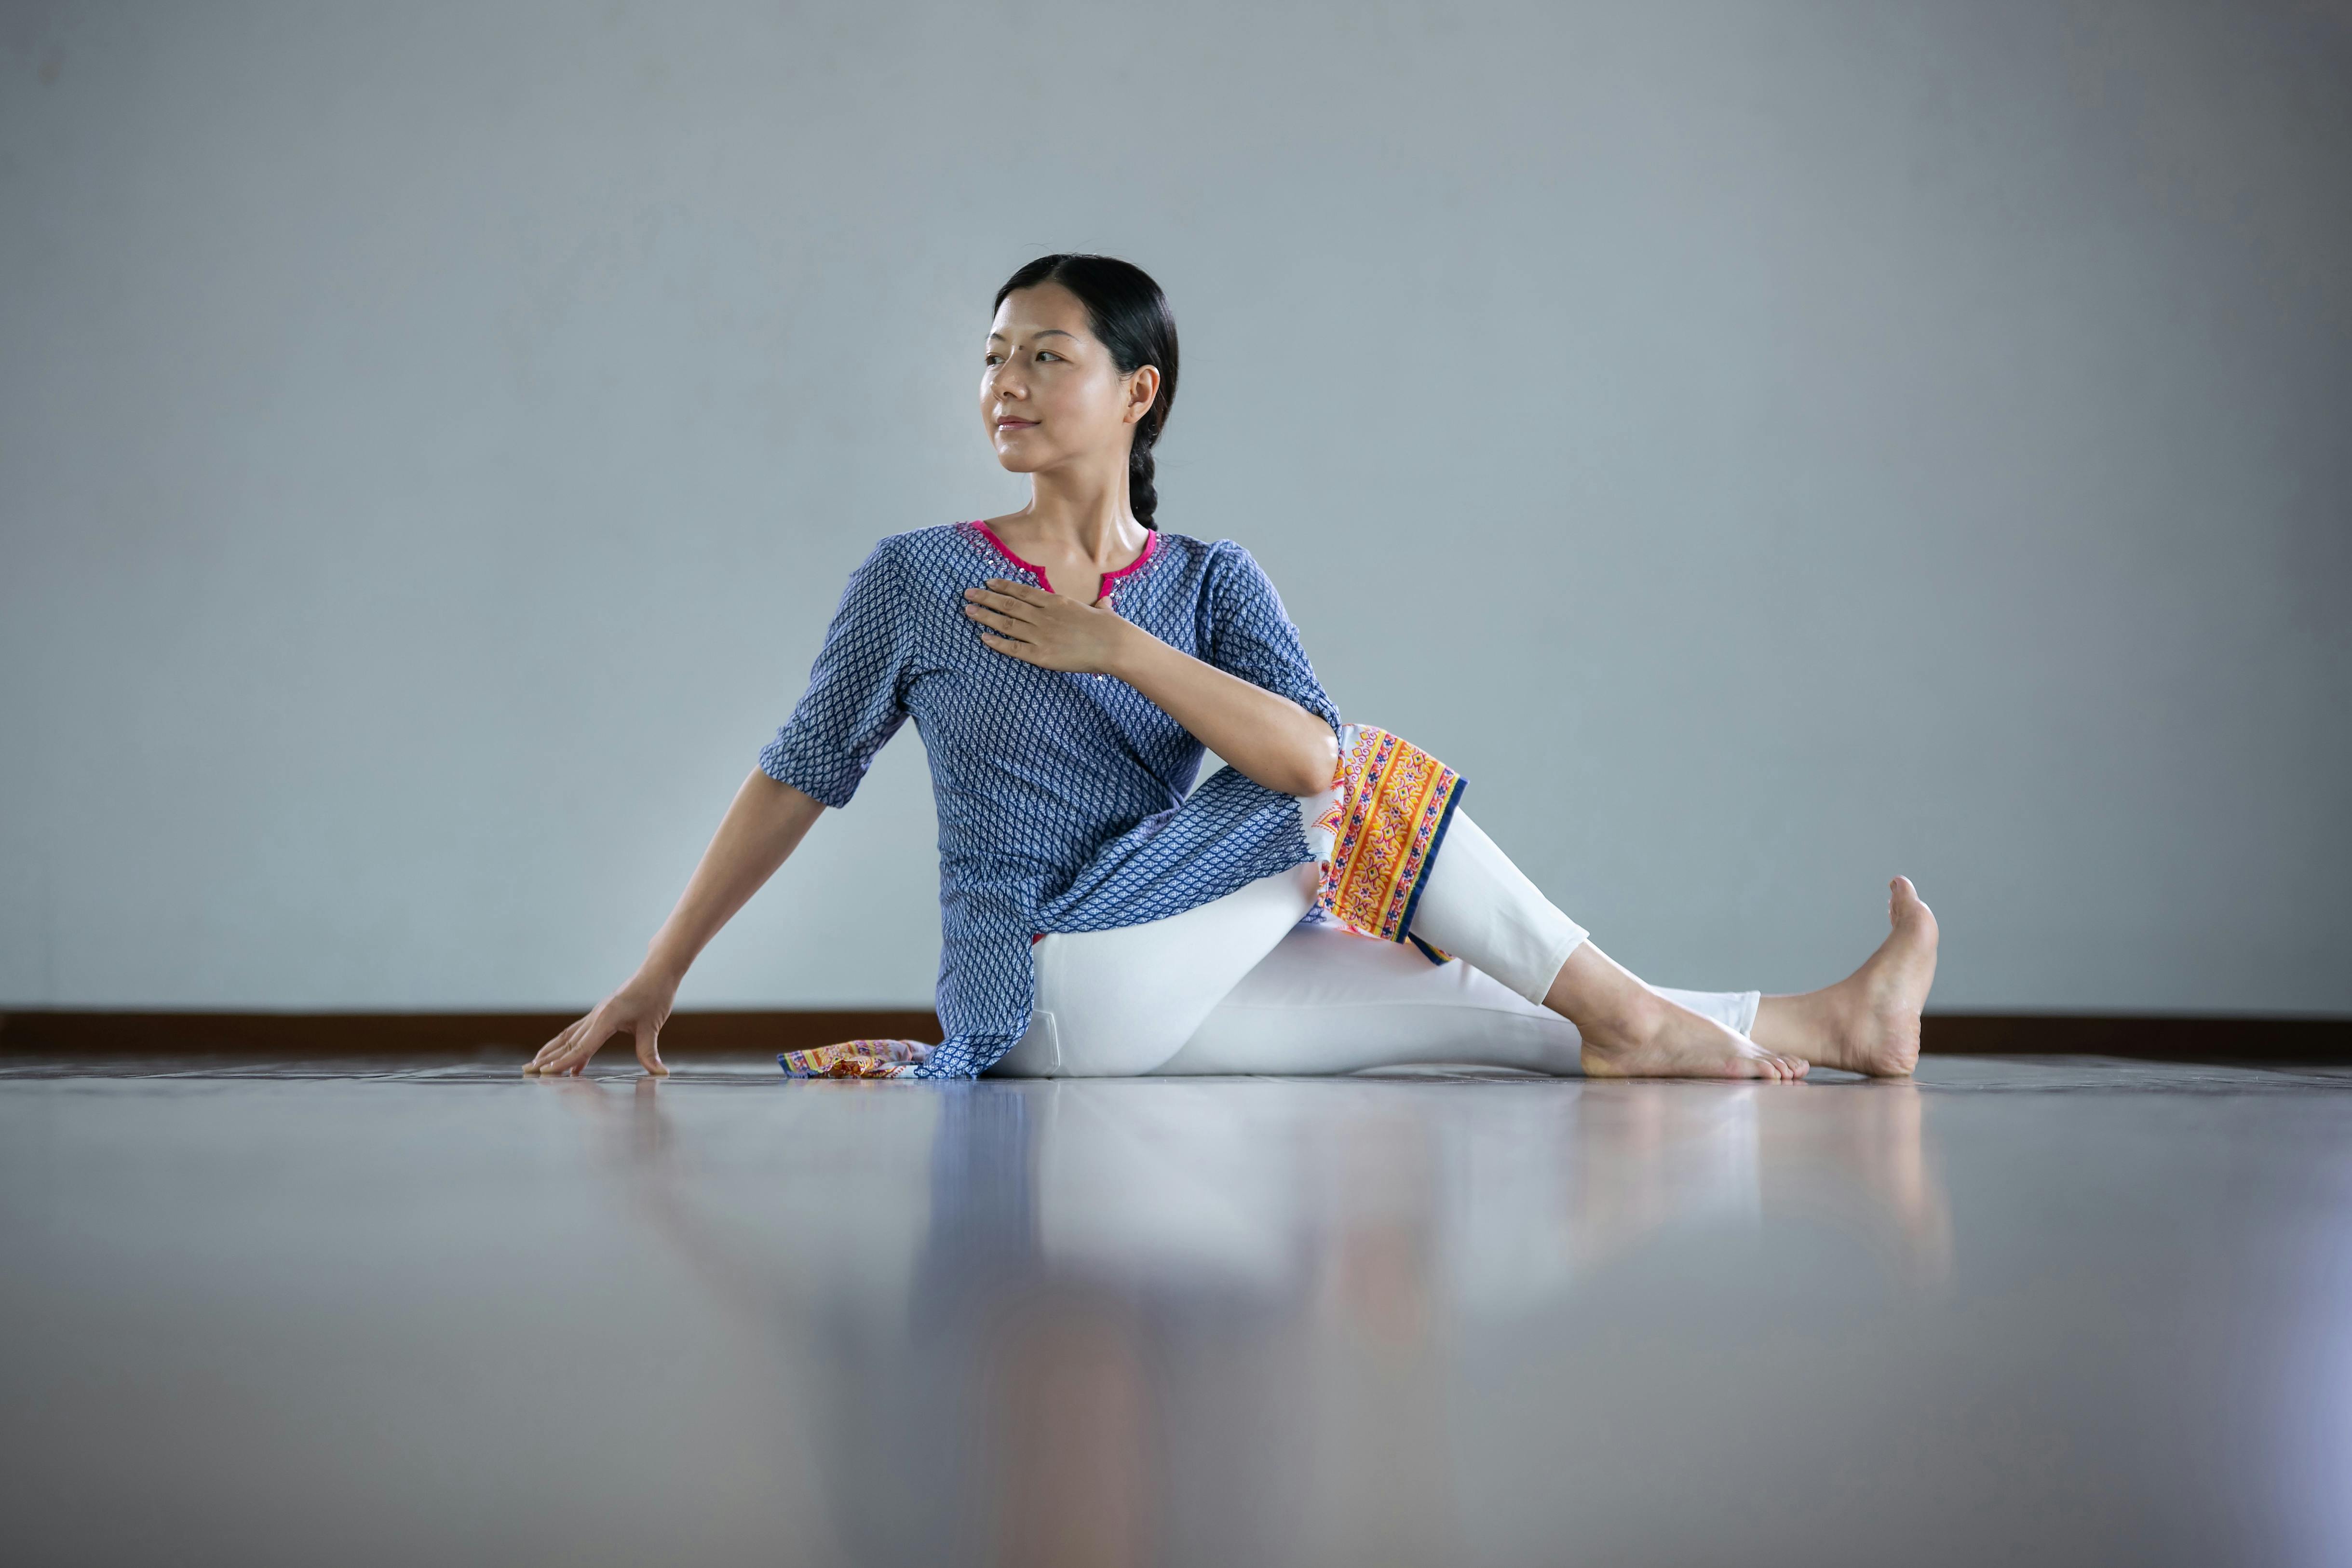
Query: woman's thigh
[1112, 1004]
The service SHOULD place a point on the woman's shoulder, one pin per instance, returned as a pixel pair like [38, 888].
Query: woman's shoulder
[915, 543]
[1225, 566]
[916, 553]
[1212, 558]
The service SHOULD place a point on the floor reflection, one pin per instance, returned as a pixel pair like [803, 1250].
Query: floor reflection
[2016, 1312]
[1201, 1316]
[1650, 1156]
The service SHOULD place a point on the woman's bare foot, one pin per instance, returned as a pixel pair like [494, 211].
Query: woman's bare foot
[1631, 1031]
[1868, 1022]
[1680, 1043]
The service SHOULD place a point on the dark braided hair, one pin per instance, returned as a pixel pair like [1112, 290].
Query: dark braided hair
[1131, 316]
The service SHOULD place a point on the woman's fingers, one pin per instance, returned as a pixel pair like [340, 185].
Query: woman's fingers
[553, 1049]
[997, 596]
[649, 1050]
[996, 618]
[1035, 626]
[1007, 617]
[1023, 651]
[572, 1048]
[592, 1037]
[1012, 598]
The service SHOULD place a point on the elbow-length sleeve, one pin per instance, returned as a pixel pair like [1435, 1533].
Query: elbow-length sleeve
[856, 692]
[1250, 634]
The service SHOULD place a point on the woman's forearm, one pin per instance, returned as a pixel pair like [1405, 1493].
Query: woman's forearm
[760, 831]
[1263, 734]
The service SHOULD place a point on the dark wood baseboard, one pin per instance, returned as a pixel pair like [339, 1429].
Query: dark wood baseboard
[70, 1032]
[2304, 1041]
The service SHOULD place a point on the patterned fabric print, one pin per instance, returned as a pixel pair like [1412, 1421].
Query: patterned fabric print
[856, 1058]
[1395, 805]
[1061, 797]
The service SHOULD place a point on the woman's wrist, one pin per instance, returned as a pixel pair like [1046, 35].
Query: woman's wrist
[665, 968]
[1130, 656]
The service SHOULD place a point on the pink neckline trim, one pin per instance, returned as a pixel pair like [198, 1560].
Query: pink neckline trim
[1151, 545]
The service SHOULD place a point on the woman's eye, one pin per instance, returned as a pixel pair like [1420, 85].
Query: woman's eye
[989, 359]
[1047, 353]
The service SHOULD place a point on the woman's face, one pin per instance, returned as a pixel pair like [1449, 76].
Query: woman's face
[1048, 390]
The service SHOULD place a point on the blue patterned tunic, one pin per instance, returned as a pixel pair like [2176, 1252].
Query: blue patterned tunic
[1061, 797]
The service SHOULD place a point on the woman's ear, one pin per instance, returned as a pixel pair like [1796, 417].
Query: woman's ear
[1142, 388]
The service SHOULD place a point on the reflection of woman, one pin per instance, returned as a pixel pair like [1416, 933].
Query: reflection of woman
[1066, 665]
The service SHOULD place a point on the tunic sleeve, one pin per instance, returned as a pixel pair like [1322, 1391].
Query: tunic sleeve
[1249, 634]
[856, 692]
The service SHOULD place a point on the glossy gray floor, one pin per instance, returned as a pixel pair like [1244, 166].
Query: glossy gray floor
[2022, 1312]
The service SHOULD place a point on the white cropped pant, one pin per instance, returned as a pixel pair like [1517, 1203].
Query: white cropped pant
[1239, 986]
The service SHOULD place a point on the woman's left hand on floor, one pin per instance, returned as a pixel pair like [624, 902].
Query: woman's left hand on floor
[639, 1008]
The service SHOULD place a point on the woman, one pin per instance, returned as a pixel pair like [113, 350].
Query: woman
[1066, 665]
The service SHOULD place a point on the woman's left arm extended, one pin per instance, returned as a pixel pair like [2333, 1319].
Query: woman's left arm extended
[1263, 734]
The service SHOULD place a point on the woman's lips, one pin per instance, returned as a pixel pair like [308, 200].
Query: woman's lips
[1016, 425]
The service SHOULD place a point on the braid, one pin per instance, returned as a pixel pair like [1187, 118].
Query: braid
[1141, 499]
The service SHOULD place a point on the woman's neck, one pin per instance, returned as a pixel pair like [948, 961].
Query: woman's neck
[1079, 517]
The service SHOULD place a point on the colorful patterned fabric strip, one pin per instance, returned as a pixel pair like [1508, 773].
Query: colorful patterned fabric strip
[856, 1058]
[1395, 803]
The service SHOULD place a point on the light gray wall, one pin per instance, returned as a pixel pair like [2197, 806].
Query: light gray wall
[1766, 446]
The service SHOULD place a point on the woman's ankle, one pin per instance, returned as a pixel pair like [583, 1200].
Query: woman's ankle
[1609, 1007]
[1803, 1024]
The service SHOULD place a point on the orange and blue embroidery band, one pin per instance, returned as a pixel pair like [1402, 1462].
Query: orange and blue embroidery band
[1395, 805]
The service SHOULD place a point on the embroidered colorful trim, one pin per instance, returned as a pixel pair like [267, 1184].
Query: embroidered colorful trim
[856, 1058]
[1110, 580]
[1395, 805]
